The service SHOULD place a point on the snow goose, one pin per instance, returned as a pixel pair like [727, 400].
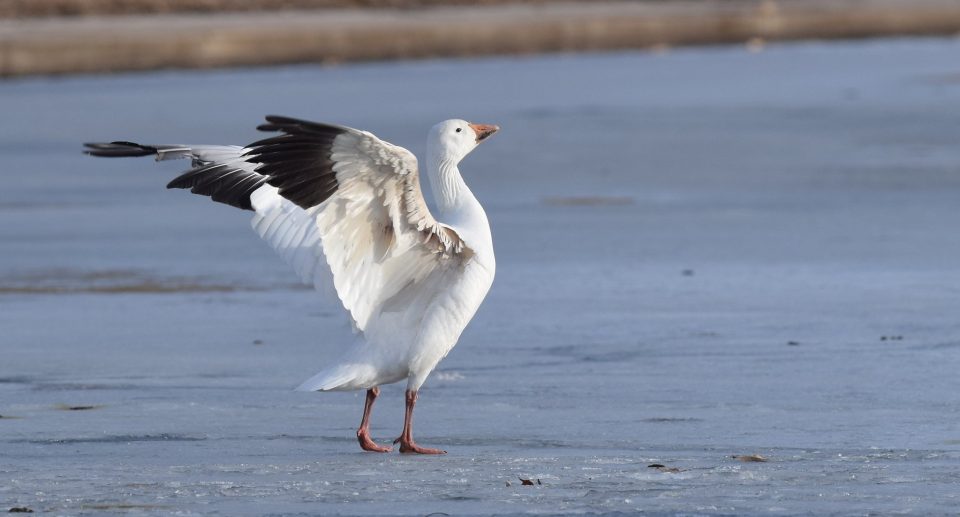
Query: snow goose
[345, 210]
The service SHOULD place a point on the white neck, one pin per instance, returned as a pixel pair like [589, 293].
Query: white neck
[458, 208]
[449, 190]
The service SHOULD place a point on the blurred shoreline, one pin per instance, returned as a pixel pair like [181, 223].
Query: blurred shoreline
[423, 29]
[47, 8]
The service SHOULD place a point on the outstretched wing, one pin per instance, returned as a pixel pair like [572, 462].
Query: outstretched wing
[219, 171]
[341, 202]
[341, 206]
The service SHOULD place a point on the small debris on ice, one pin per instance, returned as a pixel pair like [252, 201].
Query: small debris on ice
[663, 468]
[749, 458]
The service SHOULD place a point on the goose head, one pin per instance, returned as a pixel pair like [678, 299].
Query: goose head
[452, 140]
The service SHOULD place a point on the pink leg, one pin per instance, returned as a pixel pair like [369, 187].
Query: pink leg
[363, 434]
[406, 439]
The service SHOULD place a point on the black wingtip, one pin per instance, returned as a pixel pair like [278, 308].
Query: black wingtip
[279, 122]
[273, 123]
[282, 120]
[292, 125]
[118, 149]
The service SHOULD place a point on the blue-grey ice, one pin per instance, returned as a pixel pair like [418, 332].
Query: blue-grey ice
[701, 254]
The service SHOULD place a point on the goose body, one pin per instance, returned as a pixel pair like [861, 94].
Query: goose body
[345, 210]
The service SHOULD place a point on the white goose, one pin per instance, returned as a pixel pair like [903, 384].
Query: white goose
[345, 208]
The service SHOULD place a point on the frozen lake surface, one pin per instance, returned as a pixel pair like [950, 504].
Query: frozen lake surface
[701, 254]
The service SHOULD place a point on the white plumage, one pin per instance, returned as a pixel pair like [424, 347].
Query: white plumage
[346, 211]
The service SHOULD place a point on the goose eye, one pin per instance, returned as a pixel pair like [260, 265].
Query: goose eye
[459, 129]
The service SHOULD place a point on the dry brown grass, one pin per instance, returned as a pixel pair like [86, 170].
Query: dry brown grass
[47, 8]
[36, 46]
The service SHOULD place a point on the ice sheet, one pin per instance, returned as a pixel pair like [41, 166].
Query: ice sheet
[701, 254]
